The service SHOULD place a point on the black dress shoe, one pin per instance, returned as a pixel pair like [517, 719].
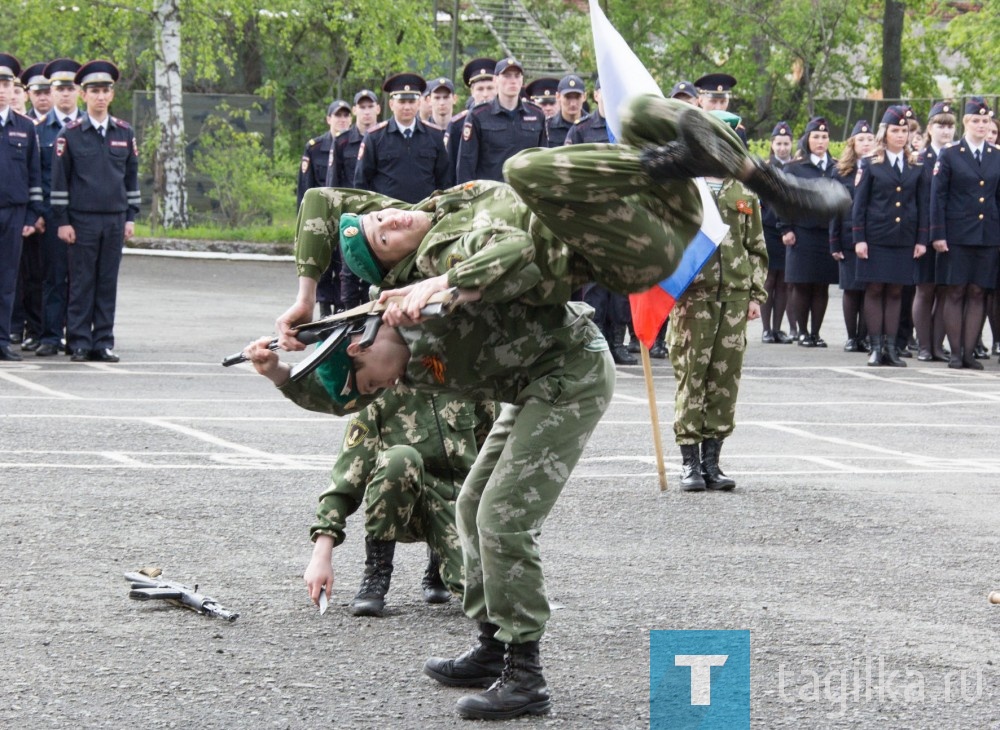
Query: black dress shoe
[806, 341]
[79, 355]
[852, 345]
[905, 352]
[15, 339]
[818, 341]
[104, 355]
[981, 353]
[30, 344]
[972, 364]
[925, 356]
[6, 353]
[783, 338]
[46, 350]
[996, 348]
[955, 363]
[768, 337]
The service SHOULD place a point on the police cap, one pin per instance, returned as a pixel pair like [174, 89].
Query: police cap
[898, 115]
[817, 124]
[861, 127]
[441, 82]
[684, 88]
[10, 67]
[543, 90]
[337, 105]
[405, 86]
[366, 94]
[978, 106]
[97, 73]
[571, 84]
[781, 129]
[478, 69]
[34, 78]
[505, 63]
[62, 72]
[718, 85]
[941, 107]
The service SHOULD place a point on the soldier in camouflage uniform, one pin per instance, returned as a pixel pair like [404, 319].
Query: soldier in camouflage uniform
[708, 336]
[552, 368]
[406, 455]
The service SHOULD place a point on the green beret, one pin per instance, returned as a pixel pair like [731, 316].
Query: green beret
[356, 251]
[335, 373]
[733, 120]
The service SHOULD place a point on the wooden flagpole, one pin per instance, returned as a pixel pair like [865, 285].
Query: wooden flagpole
[647, 370]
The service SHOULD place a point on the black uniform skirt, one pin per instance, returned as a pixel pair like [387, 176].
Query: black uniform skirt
[963, 265]
[775, 249]
[849, 272]
[887, 265]
[923, 268]
[809, 260]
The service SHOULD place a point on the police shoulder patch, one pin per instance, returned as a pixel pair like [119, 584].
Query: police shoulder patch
[60, 146]
[121, 123]
[356, 433]
[305, 165]
[467, 132]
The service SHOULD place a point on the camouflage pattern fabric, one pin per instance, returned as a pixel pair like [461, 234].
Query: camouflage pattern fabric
[406, 455]
[552, 367]
[708, 324]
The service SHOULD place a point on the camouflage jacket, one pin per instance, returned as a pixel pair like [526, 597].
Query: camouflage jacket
[447, 431]
[487, 352]
[483, 237]
[738, 268]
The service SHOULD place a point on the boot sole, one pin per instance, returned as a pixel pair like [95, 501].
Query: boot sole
[460, 681]
[372, 611]
[535, 708]
[702, 139]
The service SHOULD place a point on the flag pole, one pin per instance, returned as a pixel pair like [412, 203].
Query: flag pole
[647, 370]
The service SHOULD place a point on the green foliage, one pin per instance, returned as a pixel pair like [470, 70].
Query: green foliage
[281, 231]
[245, 187]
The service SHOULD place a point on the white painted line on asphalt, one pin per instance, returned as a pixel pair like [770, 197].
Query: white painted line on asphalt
[926, 386]
[781, 427]
[214, 255]
[829, 463]
[121, 458]
[230, 419]
[10, 378]
[216, 441]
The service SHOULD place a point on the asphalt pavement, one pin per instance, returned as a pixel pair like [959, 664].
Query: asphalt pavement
[858, 548]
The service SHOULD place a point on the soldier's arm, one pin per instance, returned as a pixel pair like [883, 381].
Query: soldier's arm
[303, 178]
[36, 201]
[940, 182]
[364, 174]
[498, 262]
[757, 252]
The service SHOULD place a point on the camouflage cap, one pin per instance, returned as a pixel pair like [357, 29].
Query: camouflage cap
[356, 250]
[733, 120]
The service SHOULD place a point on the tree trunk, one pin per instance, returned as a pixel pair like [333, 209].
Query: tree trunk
[171, 177]
[892, 49]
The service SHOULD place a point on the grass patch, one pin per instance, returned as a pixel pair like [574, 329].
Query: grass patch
[279, 232]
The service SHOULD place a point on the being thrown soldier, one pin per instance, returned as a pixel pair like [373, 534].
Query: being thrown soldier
[616, 214]
[405, 457]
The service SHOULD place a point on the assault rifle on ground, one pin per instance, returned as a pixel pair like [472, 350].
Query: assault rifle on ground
[365, 320]
[146, 585]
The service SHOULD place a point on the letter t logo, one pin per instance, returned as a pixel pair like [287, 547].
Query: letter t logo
[701, 674]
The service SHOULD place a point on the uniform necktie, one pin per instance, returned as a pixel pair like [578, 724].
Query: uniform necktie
[407, 133]
[822, 165]
[979, 159]
[100, 131]
[65, 121]
[899, 166]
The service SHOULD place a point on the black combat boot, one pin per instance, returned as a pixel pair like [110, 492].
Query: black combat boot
[370, 600]
[875, 357]
[620, 353]
[434, 588]
[659, 348]
[795, 199]
[691, 478]
[714, 478]
[633, 341]
[478, 667]
[520, 690]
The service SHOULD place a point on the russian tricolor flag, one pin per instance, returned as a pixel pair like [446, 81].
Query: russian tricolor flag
[623, 77]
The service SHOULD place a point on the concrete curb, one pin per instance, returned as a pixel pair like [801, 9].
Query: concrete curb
[221, 249]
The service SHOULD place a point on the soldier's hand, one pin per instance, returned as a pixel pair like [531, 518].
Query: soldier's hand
[941, 245]
[861, 249]
[415, 298]
[788, 238]
[27, 231]
[266, 362]
[129, 230]
[298, 313]
[753, 311]
[838, 255]
[919, 250]
[40, 225]
[319, 573]
[67, 234]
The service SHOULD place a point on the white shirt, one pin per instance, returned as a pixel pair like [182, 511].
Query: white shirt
[818, 161]
[3, 116]
[973, 149]
[402, 129]
[892, 157]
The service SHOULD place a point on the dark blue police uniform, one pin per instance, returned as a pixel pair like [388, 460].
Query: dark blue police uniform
[95, 189]
[352, 291]
[589, 129]
[809, 260]
[557, 128]
[314, 164]
[20, 200]
[492, 135]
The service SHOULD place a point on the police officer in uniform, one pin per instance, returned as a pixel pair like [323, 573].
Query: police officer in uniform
[316, 158]
[95, 198]
[685, 91]
[28, 300]
[714, 93]
[495, 132]
[340, 174]
[21, 212]
[403, 157]
[441, 92]
[61, 74]
[543, 92]
[569, 95]
[478, 77]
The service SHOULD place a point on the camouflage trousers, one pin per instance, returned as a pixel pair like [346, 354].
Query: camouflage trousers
[707, 340]
[520, 472]
[597, 200]
[402, 504]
